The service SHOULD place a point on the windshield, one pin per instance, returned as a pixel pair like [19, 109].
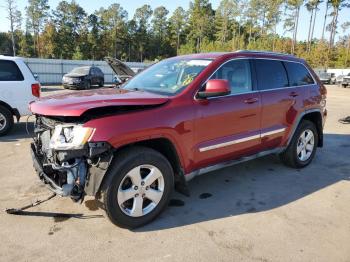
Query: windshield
[168, 77]
[81, 70]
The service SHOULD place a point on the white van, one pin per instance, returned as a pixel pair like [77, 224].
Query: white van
[18, 87]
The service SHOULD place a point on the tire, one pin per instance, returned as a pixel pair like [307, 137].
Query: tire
[102, 83]
[135, 162]
[344, 86]
[290, 156]
[6, 121]
[87, 84]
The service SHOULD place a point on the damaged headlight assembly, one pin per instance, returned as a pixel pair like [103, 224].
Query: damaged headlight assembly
[70, 137]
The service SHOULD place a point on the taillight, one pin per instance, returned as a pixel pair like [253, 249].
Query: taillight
[36, 90]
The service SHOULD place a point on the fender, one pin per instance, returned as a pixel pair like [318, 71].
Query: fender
[167, 136]
[297, 122]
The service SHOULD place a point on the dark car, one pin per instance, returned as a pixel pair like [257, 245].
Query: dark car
[83, 78]
[180, 118]
[346, 81]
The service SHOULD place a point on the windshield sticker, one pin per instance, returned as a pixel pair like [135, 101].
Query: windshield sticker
[199, 62]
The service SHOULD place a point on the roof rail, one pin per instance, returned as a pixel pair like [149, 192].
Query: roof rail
[263, 52]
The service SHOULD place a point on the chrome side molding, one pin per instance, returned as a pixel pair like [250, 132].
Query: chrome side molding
[241, 140]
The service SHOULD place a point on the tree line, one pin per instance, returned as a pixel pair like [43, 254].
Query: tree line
[69, 32]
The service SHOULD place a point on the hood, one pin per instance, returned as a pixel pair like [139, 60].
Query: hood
[119, 68]
[76, 104]
[74, 75]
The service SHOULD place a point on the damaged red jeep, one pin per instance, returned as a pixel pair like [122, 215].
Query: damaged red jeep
[179, 118]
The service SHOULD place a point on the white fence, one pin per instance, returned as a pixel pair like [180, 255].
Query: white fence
[335, 71]
[51, 71]
[339, 72]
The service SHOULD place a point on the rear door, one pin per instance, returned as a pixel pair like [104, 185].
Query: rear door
[228, 127]
[281, 100]
[100, 74]
[93, 76]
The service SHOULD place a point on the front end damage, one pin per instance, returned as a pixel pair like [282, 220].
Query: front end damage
[66, 161]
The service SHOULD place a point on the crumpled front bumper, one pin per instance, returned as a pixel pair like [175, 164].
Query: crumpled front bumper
[42, 176]
[96, 163]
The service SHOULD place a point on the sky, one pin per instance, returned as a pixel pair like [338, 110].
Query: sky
[130, 5]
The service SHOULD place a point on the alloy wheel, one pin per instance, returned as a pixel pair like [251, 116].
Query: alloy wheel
[305, 145]
[3, 122]
[141, 190]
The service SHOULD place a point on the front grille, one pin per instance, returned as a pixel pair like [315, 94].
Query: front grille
[43, 130]
[47, 122]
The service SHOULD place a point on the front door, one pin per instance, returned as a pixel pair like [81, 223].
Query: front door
[229, 126]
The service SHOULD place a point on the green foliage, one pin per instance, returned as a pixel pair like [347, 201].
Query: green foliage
[78, 55]
[69, 32]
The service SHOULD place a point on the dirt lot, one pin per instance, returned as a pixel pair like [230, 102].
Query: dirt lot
[256, 211]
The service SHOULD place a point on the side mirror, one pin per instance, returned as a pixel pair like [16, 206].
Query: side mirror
[215, 87]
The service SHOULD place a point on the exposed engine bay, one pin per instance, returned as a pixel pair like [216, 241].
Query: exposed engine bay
[64, 159]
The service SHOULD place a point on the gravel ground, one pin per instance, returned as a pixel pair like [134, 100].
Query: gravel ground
[256, 211]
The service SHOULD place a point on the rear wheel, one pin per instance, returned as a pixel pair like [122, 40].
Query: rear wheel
[138, 187]
[302, 148]
[6, 121]
[102, 83]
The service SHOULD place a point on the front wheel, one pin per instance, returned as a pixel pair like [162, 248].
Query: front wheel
[101, 83]
[302, 147]
[87, 84]
[138, 187]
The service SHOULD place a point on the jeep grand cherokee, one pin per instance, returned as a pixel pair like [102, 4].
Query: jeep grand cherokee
[180, 118]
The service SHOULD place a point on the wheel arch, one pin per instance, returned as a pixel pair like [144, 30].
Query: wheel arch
[13, 111]
[165, 147]
[315, 116]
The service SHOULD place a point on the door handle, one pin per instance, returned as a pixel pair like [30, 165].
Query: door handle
[251, 100]
[293, 94]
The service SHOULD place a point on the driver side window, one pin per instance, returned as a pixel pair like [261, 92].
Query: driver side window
[238, 74]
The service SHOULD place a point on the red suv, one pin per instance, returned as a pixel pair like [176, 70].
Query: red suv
[179, 118]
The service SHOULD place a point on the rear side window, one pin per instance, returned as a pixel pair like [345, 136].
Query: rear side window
[298, 74]
[271, 74]
[9, 71]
